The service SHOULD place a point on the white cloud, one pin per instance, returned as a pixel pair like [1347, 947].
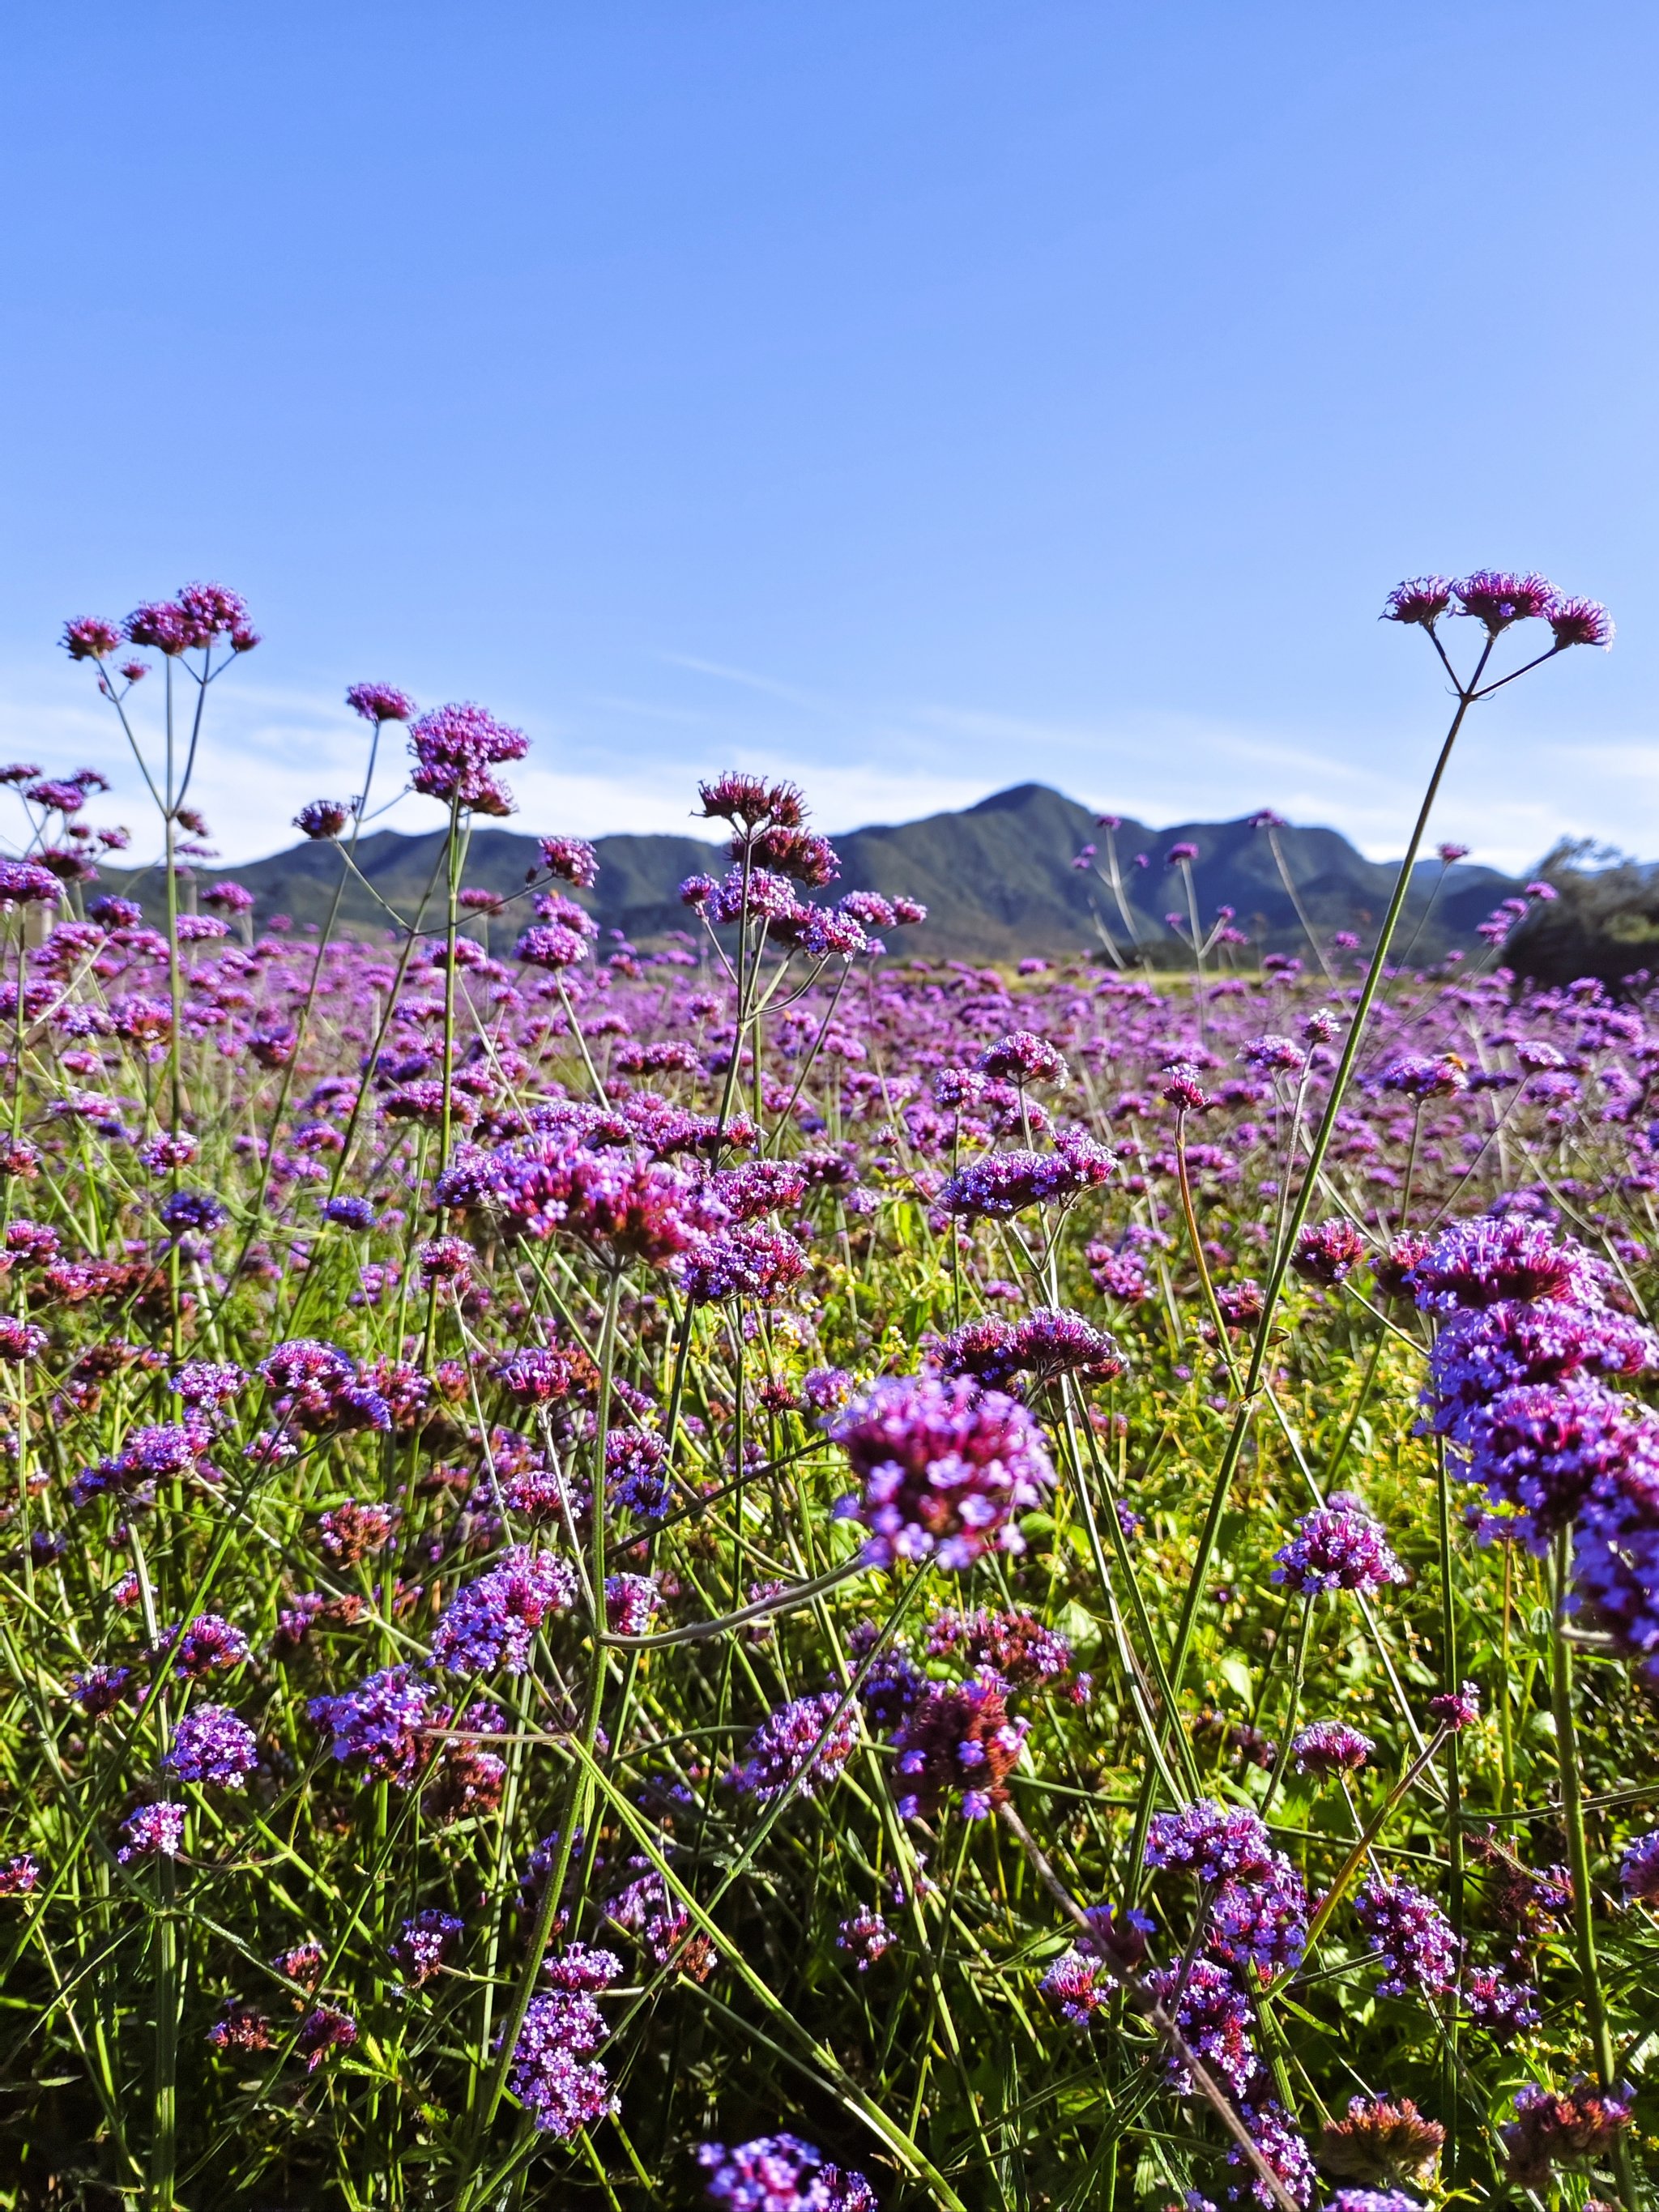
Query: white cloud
[618, 762]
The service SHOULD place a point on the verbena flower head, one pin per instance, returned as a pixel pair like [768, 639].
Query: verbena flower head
[492, 1622]
[1494, 597]
[320, 819]
[427, 1943]
[561, 2088]
[1503, 2007]
[1213, 2013]
[1260, 1919]
[957, 1737]
[1338, 1547]
[782, 1751]
[1539, 1450]
[380, 1721]
[1638, 1870]
[380, 702]
[572, 858]
[1455, 1709]
[324, 2031]
[89, 638]
[1213, 1842]
[1423, 599]
[780, 2173]
[1381, 2141]
[1078, 1985]
[943, 1468]
[1580, 622]
[1480, 1353]
[210, 1744]
[1550, 2130]
[1616, 1557]
[1330, 1747]
[1327, 1251]
[455, 748]
[1412, 1936]
[152, 1832]
[1005, 1183]
[864, 1936]
[1491, 1260]
[1023, 1058]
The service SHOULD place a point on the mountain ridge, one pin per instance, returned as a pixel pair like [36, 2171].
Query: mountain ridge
[998, 878]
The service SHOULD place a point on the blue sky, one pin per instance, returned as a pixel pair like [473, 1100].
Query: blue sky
[914, 396]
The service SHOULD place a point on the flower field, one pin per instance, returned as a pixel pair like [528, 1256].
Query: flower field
[757, 1571]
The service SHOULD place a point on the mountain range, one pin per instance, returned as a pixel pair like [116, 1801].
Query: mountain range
[998, 879]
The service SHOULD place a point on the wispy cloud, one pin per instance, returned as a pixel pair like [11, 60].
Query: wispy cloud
[620, 761]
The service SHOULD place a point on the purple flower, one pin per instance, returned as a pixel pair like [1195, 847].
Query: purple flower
[781, 1751]
[1540, 1449]
[1281, 2146]
[1213, 2013]
[636, 1472]
[1373, 2200]
[210, 1744]
[1480, 1353]
[630, 1603]
[1411, 1934]
[152, 1832]
[956, 1736]
[864, 1936]
[1503, 2008]
[750, 1261]
[321, 819]
[1215, 1843]
[1423, 599]
[1638, 1870]
[1580, 622]
[197, 1212]
[572, 858]
[780, 2173]
[206, 1642]
[427, 1943]
[1549, 2130]
[1424, 1075]
[1273, 1054]
[1338, 1547]
[1616, 1557]
[1330, 1747]
[380, 702]
[1078, 1986]
[20, 1876]
[1004, 1183]
[1484, 1261]
[379, 1722]
[1327, 1250]
[25, 883]
[1023, 1058]
[943, 1468]
[349, 1212]
[1177, 854]
[323, 2030]
[1261, 1920]
[561, 2088]
[455, 748]
[87, 638]
[492, 1622]
[1498, 599]
[1455, 1709]
[101, 1689]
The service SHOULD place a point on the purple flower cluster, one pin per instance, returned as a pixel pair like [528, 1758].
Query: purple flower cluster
[455, 749]
[943, 1468]
[553, 2075]
[958, 1737]
[1411, 1936]
[781, 1750]
[1338, 1547]
[1048, 1344]
[493, 1621]
[210, 1744]
[1003, 1184]
[427, 1943]
[380, 1721]
[780, 2173]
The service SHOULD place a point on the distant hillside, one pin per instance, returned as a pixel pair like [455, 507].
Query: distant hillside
[998, 880]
